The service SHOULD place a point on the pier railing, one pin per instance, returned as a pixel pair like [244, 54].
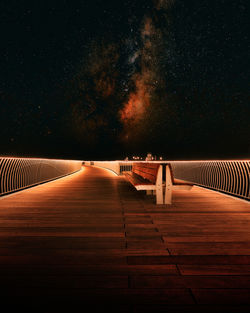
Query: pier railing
[20, 173]
[118, 167]
[231, 177]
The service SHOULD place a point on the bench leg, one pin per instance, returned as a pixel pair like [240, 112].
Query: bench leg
[159, 195]
[169, 186]
[168, 194]
[159, 188]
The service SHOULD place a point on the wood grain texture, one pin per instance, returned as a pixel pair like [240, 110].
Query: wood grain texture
[91, 238]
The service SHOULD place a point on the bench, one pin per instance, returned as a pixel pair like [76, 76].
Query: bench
[172, 183]
[147, 176]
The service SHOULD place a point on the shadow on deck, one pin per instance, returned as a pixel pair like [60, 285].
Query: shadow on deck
[90, 238]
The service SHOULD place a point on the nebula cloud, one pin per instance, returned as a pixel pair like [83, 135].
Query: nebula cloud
[147, 80]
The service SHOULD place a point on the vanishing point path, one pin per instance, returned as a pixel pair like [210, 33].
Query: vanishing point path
[89, 242]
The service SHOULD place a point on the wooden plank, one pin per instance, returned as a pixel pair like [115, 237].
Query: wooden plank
[61, 259]
[222, 296]
[65, 282]
[150, 244]
[190, 282]
[190, 259]
[209, 248]
[55, 242]
[191, 308]
[112, 295]
[86, 270]
[215, 237]
[215, 269]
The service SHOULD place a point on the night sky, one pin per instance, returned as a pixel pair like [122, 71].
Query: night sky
[109, 79]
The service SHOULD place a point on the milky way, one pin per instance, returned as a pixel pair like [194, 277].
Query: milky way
[146, 81]
[107, 79]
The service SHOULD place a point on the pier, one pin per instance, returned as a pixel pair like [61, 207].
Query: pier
[91, 239]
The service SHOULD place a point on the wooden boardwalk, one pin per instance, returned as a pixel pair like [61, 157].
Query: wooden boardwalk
[90, 238]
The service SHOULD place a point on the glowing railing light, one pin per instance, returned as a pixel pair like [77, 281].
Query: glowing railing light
[20, 173]
[232, 177]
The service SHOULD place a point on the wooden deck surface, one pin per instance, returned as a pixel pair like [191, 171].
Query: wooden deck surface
[90, 238]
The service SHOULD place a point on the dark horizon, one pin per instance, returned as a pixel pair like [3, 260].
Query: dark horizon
[96, 80]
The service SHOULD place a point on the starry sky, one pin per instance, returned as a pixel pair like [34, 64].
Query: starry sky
[106, 79]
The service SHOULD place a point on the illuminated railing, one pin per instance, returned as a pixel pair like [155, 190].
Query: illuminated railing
[125, 167]
[232, 177]
[114, 166]
[117, 167]
[20, 173]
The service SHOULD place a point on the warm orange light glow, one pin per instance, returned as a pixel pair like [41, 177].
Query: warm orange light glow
[20, 173]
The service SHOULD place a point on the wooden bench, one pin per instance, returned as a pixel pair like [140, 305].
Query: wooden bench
[172, 183]
[147, 176]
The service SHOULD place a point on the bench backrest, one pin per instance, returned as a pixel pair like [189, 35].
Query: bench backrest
[148, 171]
